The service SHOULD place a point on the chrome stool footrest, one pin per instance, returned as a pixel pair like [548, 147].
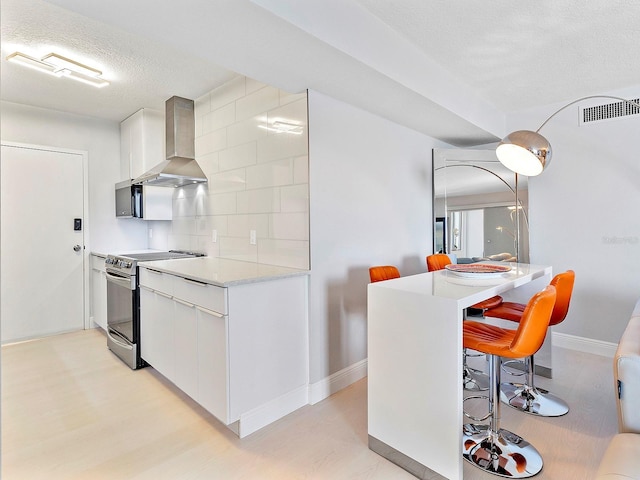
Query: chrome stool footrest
[468, 415]
[514, 371]
[532, 400]
[501, 453]
[475, 380]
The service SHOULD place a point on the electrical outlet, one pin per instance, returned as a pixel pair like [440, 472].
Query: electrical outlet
[252, 237]
[214, 236]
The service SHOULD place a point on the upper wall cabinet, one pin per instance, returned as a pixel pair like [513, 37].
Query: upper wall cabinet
[141, 142]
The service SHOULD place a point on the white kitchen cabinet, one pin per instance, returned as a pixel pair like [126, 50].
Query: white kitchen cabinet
[142, 147]
[239, 351]
[185, 344]
[157, 331]
[141, 142]
[157, 203]
[213, 381]
[98, 299]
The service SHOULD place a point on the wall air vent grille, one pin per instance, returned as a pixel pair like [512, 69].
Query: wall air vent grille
[609, 111]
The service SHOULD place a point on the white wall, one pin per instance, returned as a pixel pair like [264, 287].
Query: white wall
[584, 214]
[370, 197]
[101, 139]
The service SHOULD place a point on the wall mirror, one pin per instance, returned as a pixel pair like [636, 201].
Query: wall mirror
[480, 208]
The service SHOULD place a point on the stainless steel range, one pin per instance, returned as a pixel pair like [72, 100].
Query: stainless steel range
[123, 302]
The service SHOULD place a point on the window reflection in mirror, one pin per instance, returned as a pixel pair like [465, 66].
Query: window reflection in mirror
[475, 210]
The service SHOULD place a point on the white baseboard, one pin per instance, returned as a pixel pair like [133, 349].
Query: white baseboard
[581, 344]
[269, 412]
[328, 386]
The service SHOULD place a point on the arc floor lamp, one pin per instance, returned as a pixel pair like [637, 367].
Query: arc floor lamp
[528, 153]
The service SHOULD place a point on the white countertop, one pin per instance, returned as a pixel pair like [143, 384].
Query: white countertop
[220, 271]
[467, 291]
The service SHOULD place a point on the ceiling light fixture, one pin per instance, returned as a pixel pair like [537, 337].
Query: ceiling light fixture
[33, 63]
[529, 153]
[60, 66]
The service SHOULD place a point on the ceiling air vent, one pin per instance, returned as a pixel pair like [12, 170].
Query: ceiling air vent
[608, 111]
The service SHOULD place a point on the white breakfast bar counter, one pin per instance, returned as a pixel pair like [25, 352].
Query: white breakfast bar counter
[415, 364]
[233, 335]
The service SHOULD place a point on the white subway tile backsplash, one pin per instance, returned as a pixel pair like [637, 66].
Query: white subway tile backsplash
[209, 163]
[230, 181]
[294, 198]
[286, 97]
[238, 248]
[227, 93]
[213, 222]
[287, 253]
[289, 226]
[240, 225]
[238, 156]
[184, 206]
[219, 118]
[183, 226]
[272, 174]
[294, 113]
[281, 145]
[246, 131]
[211, 142]
[257, 178]
[301, 169]
[221, 204]
[264, 200]
[257, 102]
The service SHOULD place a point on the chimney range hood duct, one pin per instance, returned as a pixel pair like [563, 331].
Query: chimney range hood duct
[180, 167]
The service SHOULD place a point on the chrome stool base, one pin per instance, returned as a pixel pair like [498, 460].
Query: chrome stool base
[535, 401]
[475, 380]
[501, 453]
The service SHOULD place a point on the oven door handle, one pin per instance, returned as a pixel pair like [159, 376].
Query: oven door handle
[121, 281]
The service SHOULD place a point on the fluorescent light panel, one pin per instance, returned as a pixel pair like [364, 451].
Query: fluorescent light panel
[59, 66]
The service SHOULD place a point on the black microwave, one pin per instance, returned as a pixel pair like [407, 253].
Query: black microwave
[128, 200]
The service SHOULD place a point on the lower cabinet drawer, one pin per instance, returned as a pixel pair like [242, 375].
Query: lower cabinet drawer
[205, 295]
[156, 280]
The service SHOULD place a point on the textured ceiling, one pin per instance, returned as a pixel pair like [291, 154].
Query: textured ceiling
[448, 69]
[141, 73]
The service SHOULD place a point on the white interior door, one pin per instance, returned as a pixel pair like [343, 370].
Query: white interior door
[42, 275]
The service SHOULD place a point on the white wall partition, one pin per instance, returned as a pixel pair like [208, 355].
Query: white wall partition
[370, 196]
[584, 214]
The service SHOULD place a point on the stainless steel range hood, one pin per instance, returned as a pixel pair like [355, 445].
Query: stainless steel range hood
[180, 168]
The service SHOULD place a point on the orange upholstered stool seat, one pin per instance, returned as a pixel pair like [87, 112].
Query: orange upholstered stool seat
[490, 447]
[526, 397]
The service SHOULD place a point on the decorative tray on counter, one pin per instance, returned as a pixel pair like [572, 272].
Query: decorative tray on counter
[476, 270]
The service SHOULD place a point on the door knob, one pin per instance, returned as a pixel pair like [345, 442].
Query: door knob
[77, 248]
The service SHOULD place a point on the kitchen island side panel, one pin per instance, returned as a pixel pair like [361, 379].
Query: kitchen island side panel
[415, 354]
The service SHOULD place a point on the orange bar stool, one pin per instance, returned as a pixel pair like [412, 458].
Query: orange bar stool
[489, 447]
[472, 379]
[526, 397]
[383, 272]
